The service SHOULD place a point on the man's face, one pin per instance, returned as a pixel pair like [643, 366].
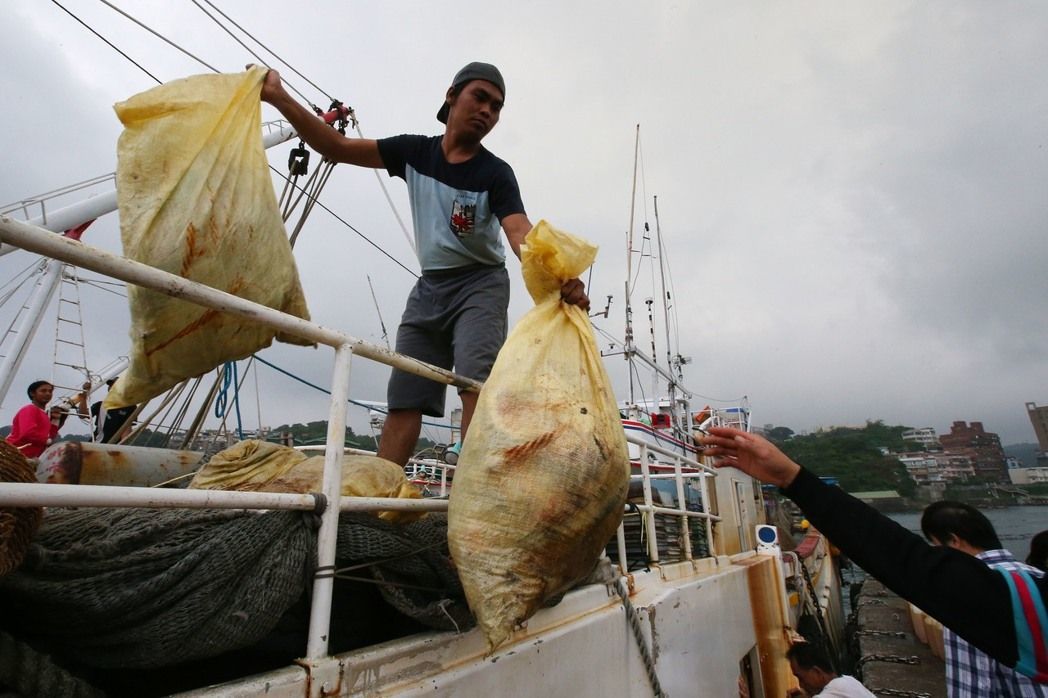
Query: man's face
[812, 680]
[476, 108]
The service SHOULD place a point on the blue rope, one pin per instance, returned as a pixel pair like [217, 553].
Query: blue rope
[236, 400]
[328, 392]
[222, 399]
[229, 377]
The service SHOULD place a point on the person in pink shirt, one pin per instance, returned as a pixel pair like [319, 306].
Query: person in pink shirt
[34, 428]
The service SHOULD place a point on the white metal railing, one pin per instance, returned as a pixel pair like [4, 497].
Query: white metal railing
[41, 241]
[649, 511]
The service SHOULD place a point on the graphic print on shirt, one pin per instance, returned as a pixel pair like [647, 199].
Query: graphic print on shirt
[464, 214]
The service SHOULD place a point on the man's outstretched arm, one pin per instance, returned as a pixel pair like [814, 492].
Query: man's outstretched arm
[320, 136]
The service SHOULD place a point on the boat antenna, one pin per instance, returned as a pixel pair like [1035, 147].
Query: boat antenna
[674, 367]
[381, 323]
[628, 345]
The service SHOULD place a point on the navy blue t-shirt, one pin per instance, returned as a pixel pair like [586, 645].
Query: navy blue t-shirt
[456, 209]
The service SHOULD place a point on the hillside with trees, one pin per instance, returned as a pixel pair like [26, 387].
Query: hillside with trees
[855, 456]
[315, 433]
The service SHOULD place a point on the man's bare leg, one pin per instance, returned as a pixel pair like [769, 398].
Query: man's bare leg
[400, 435]
[469, 404]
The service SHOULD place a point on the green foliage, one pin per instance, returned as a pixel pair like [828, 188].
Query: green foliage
[854, 456]
[779, 434]
[316, 433]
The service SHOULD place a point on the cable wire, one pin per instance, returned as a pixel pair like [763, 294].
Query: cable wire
[111, 44]
[317, 203]
[267, 49]
[160, 36]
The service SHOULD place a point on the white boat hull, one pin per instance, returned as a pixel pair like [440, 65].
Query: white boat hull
[701, 619]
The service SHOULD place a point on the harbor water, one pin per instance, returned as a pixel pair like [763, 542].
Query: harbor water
[1015, 525]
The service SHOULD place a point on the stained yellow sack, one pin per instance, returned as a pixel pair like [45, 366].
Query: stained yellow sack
[196, 200]
[542, 478]
[246, 466]
[259, 466]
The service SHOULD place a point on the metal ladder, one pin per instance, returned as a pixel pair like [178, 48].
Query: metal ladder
[69, 349]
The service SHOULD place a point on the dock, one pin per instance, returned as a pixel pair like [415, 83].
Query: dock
[891, 659]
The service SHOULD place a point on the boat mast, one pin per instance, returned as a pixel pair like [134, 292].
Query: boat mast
[32, 315]
[673, 363]
[628, 347]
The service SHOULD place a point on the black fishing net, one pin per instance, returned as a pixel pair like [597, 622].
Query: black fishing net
[141, 589]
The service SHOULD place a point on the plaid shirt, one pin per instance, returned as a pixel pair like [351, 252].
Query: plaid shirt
[971, 673]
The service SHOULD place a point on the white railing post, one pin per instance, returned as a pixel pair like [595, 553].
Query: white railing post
[685, 540]
[324, 578]
[649, 513]
[620, 540]
[706, 508]
[32, 314]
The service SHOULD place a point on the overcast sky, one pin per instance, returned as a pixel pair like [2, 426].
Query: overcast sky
[852, 195]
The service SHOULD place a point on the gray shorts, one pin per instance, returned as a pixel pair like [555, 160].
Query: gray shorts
[455, 320]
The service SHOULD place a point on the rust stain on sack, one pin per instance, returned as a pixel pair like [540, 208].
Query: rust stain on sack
[192, 252]
[526, 449]
[192, 327]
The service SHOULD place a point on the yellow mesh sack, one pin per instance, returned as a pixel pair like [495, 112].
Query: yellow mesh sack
[544, 470]
[196, 199]
[260, 466]
[247, 466]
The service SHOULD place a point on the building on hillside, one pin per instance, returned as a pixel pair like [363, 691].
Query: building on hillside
[922, 467]
[981, 446]
[927, 468]
[955, 467]
[925, 436]
[1039, 420]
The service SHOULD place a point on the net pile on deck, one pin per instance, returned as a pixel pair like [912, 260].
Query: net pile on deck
[138, 588]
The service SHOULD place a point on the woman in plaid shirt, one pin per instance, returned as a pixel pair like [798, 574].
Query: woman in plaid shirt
[971, 673]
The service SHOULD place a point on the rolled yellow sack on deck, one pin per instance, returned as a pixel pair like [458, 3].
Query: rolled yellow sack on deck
[196, 200]
[542, 478]
[259, 466]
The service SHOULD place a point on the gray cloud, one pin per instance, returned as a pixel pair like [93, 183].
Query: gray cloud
[852, 195]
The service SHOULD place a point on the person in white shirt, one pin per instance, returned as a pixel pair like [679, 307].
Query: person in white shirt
[817, 676]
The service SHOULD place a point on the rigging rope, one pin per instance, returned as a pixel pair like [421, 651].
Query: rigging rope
[328, 392]
[160, 36]
[266, 48]
[280, 174]
[633, 618]
[229, 377]
[107, 41]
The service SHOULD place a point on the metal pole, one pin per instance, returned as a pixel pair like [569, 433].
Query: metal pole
[620, 540]
[704, 486]
[649, 517]
[684, 523]
[34, 239]
[18, 494]
[324, 578]
[34, 494]
[32, 314]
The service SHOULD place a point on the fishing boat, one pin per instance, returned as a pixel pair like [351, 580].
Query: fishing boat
[697, 594]
[671, 622]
